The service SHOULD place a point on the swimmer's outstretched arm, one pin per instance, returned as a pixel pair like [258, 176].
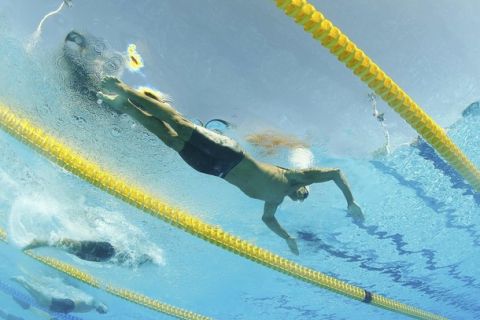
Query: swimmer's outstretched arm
[36, 244]
[64, 243]
[269, 219]
[319, 175]
[156, 108]
[123, 105]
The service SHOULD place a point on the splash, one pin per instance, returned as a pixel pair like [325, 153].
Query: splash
[39, 216]
[9, 187]
[33, 216]
[35, 38]
[380, 116]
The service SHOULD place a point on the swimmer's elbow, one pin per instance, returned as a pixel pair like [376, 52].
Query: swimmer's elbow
[336, 174]
[268, 220]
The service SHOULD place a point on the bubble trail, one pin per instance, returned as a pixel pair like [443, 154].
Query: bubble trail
[38, 32]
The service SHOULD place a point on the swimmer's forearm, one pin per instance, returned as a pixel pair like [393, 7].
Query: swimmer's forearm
[273, 225]
[269, 219]
[342, 184]
[151, 106]
[150, 123]
[36, 244]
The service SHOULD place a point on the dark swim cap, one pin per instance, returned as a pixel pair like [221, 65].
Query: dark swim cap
[95, 251]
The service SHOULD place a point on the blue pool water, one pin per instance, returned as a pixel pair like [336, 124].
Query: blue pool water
[418, 243]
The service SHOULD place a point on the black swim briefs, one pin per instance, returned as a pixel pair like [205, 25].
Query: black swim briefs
[62, 305]
[211, 153]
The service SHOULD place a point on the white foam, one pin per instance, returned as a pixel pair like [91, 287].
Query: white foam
[35, 38]
[40, 216]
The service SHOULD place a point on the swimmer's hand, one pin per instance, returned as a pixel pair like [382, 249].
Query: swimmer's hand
[356, 212]
[292, 244]
[113, 85]
[114, 94]
[117, 102]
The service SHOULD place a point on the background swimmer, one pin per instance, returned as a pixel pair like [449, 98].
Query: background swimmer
[95, 251]
[56, 296]
[88, 232]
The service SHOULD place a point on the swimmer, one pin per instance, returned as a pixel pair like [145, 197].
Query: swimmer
[211, 153]
[72, 300]
[96, 251]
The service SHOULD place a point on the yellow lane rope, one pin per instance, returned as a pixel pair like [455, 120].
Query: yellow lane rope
[92, 173]
[363, 67]
[128, 295]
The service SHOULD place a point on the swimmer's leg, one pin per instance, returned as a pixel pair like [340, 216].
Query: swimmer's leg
[25, 305]
[32, 290]
[163, 111]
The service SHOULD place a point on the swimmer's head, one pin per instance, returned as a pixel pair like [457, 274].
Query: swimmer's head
[101, 308]
[299, 194]
[103, 251]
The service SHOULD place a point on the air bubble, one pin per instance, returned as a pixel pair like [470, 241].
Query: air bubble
[113, 65]
[99, 47]
[115, 132]
[80, 121]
